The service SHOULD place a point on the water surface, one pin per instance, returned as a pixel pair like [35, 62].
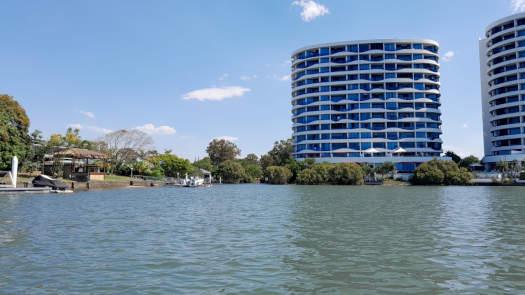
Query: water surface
[261, 239]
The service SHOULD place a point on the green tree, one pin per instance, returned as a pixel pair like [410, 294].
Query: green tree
[297, 166]
[14, 132]
[252, 173]
[278, 174]
[438, 172]
[468, 161]
[282, 152]
[385, 168]
[454, 156]
[250, 159]
[367, 170]
[171, 165]
[220, 150]
[204, 163]
[231, 171]
[307, 176]
[347, 174]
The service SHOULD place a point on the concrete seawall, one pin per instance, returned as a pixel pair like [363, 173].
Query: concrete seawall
[102, 185]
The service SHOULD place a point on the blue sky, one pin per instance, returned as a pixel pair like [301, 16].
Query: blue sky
[190, 71]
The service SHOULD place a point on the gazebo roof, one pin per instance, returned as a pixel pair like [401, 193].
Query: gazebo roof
[81, 154]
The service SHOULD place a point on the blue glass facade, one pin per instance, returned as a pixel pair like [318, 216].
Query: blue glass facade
[367, 101]
[502, 63]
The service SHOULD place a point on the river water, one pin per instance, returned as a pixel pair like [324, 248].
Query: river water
[262, 239]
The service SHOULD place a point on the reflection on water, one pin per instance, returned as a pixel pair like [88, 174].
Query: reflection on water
[266, 239]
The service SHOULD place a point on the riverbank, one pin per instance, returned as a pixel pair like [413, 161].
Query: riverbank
[102, 185]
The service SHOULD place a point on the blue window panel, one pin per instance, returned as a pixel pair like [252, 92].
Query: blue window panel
[325, 107]
[390, 56]
[366, 145]
[351, 48]
[366, 135]
[521, 33]
[364, 67]
[353, 135]
[390, 47]
[325, 60]
[364, 47]
[336, 146]
[418, 46]
[325, 146]
[421, 135]
[354, 145]
[325, 136]
[325, 98]
[364, 106]
[325, 88]
[392, 145]
[325, 117]
[406, 167]
[353, 97]
[325, 70]
[325, 51]
[522, 53]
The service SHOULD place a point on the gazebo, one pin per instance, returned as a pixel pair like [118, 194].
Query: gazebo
[80, 168]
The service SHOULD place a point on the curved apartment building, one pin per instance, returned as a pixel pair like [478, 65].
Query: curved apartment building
[502, 65]
[367, 101]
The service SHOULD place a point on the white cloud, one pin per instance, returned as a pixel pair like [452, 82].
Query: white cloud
[95, 129]
[224, 76]
[311, 9]
[465, 125]
[216, 93]
[449, 55]
[518, 5]
[151, 129]
[285, 78]
[246, 78]
[228, 138]
[88, 114]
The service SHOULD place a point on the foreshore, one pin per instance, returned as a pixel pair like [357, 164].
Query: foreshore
[103, 185]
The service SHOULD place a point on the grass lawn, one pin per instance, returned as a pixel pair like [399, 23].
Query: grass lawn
[117, 178]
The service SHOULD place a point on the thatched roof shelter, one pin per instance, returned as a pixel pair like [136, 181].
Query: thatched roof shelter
[81, 154]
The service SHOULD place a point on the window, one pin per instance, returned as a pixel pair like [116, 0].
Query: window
[325, 51]
[364, 67]
[364, 47]
[390, 47]
[351, 48]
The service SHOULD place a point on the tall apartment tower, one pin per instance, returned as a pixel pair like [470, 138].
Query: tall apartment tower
[367, 101]
[502, 72]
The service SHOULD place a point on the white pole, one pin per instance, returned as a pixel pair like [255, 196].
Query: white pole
[14, 171]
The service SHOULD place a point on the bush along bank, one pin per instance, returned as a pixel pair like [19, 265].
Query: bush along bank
[439, 172]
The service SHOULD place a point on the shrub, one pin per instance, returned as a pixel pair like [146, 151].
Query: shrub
[307, 176]
[231, 171]
[438, 172]
[278, 175]
[522, 175]
[346, 173]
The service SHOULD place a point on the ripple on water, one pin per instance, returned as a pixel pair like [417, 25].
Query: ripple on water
[262, 239]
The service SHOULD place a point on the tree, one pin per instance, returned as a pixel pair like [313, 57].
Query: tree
[454, 156]
[36, 152]
[297, 166]
[172, 165]
[231, 171]
[278, 174]
[266, 161]
[250, 159]
[347, 174]
[14, 132]
[468, 161]
[367, 170]
[204, 163]
[438, 172]
[385, 168]
[282, 152]
[124, 146]
[252, 173]
[220, 150]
